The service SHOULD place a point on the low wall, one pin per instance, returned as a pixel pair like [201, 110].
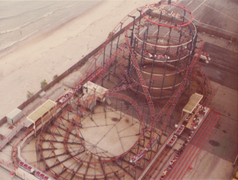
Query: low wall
[202, 28]
[217, 33]
[3, 120]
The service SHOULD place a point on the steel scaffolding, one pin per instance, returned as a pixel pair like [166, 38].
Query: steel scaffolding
[147, 66]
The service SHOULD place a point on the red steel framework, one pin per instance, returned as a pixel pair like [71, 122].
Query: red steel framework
[148, 67]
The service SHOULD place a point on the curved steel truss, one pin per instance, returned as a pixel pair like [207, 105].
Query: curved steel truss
[148, 68]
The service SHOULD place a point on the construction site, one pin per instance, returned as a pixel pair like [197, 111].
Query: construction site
[141, 110]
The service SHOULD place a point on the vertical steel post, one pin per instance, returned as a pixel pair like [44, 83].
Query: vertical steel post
[109, 68]
[129, 59]
[165, 68]
[178, 63]
[143, 47]
[117, 48]
[103, 62]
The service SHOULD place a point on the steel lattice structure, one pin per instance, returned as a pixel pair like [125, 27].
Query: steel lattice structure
[148, 66]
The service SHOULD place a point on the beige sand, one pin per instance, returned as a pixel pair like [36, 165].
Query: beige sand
[53, 52]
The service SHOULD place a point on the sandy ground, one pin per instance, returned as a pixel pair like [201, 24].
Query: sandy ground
[52, 52]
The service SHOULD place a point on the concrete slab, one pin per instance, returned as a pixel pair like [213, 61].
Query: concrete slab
[5, 175]
[225, 101]
[209, 166]
[29, 153]
[216, 15]
[223, 139]
[5, 129]
[223, 68]
[113, 130]
[5, 154]
[219, 151]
